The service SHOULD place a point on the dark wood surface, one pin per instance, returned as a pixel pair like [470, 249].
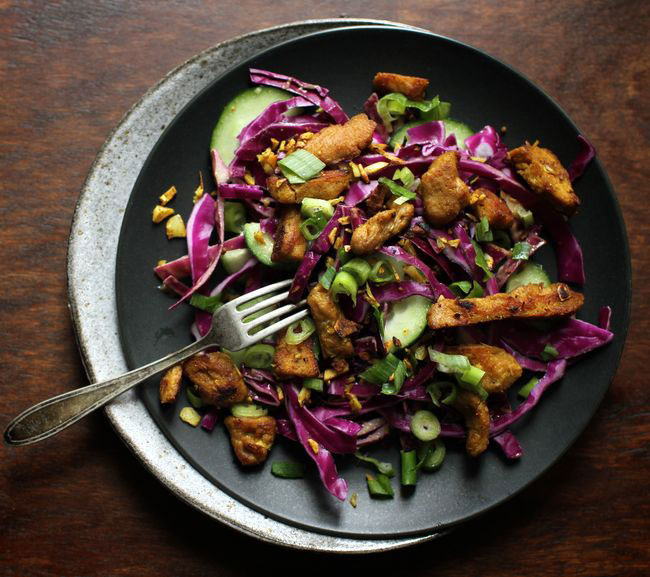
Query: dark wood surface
[81, 504]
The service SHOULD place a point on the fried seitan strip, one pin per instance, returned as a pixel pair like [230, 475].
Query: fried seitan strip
[412, 87]
[375, 202]
[543, 171]
[333, 328]
[501, 368]
[494, 209]
[372, 234]
[443, 193]
[217, 379]
[289, 244]
[294, 360]
[526, 302]
[327, 186]
[170, 384]
[342, 141]
[477, 421]
[251, 437]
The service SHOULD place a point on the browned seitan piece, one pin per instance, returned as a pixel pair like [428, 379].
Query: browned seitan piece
[372, 234]
[412, 87]
[543, 171]
[294, 361]
[340, 142]
[501, 368]
[333, 328]
[217, 379]
[526, 302]
[477, 420]
[251, 437]
[328, 185]
[170, 384]
[443, 193]
[289, 244]
[494, 209]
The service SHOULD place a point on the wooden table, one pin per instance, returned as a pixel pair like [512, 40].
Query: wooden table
[81, 504]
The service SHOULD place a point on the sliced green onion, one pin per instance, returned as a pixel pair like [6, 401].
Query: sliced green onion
[358, 268]
[431, 455]
[477, 291]
[344, 284]
[381, 272]
[549, 352]
[233, 260]
[194, 399]
[396, 189]
[456, 364]
[313, 384]
[310, 206]
[502, 239]
[288, 470]
[379, 318]
[529, 386]
[299, 331]
[480, 259]
[327, 277]
[206, 303]
[471, 381]
[344, 255]
[395, 381]
[435, 391]
[440, 112]
[248, 410]
[234, 217]
[482, 230]
[409, 468]
[300, 166]
[391, 106]
[313, 226]
[460, 288]
[525, 215]
[425, 426]
[405, 175]
[259, 356]
[190, 416]
[381, 370]
[379, 487]
[521, 251]
[383, 468]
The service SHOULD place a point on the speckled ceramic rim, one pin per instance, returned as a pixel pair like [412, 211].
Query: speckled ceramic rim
[92, 250]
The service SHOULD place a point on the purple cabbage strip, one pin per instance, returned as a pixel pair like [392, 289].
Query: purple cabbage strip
[262, 385]
[487, 144]
[346, 426]
[209, 420]
[270, 115]
[286, 429]
[400, 254]
[511, 265]
[424, 375]
[254, 279]
[377, 435]
[468, 250]
[355, 313]
[202, 322]
[396, 418]
[240, 191]
[370, 425]
[337, 387]
[219, 169]
[173, 284]
[400, 290]
[371, 345]
[359, 191]
[509, 444]
[523, 361]
[572, 339]
[430, 133]
[491, 286]
[316, 94]
[442, 262]
[585, 154]
[497, 253]
[323, 458]
[605, 317]
[234, 277]
[370, 108]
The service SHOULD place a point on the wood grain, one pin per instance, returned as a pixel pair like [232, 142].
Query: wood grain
[80, 504]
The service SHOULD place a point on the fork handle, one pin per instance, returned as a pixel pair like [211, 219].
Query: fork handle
[53, 415]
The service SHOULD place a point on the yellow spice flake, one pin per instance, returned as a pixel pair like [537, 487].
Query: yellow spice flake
[198, 193]
[161, 262]
[353, 500]
[160, 213]
[304, 395]
[278, 388]
[248, 178]
[167, 195]
[329, 374]
[314, 445]
[454, 243]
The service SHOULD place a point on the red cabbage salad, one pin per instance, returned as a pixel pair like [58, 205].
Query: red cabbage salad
[412, 237]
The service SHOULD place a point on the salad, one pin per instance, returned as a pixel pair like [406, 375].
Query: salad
[412, 238]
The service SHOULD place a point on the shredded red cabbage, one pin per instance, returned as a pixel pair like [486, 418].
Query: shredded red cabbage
[585, 154]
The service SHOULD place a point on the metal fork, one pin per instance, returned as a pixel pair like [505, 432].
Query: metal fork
[231, 328]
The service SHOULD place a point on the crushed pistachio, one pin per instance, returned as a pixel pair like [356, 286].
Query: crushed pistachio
[198, 193]
[167, 195]
[314, 445]
[304, 395]
[190, 416]
[248, 178]
[353, 500]
[259, 237]
[175, 227]
[355, 169]
[160, 213]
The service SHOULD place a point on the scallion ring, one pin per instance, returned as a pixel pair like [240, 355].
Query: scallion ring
[425, 426]
[259, 356]
[299, 331]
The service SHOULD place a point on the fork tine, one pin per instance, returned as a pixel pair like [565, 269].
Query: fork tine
[263, 305]
[259, 292]
[272, 314]
[281, 324]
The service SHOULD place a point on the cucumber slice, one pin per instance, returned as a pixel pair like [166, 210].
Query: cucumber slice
[406, 320]
[233, 260]
[530, 273]
[241, 110]
[460, 129]
[248, 410]
[310, 206]
[259, 243]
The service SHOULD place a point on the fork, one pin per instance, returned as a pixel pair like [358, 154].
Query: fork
[231, 328]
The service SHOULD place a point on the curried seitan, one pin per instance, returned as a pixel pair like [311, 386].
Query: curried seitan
[294, 361]
[494, 209]
[251, 437]
[333, 328]
[217, 379]
[327, 186]
[526, 302]
[289, 244]
[477, 420]
[501, 368]
[412, 87]
[372, 234]
[341, 142]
